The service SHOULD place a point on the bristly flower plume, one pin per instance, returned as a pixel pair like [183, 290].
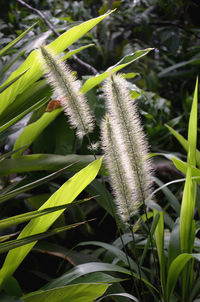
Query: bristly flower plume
[131, 146]
[120, 178]
[67, 87]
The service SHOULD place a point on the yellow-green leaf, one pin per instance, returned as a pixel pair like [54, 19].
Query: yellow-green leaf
[66, 194]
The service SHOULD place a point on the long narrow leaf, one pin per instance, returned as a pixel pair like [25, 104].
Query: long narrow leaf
[127, 60]
[66, 194]
[5, 86]
[183, 166]
[75, 51]
[29, 186]
[20, 116]
[72, 293]
[12, 244]
[184, 143]
[35, 69]
[88, 268]
[159, 236]
[46, 162]
[114, 250]
[174, 271]
[21, 218]
[192, 129]
[32, 131]
[11, 44]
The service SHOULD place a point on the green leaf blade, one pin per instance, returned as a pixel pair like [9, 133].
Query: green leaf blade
[66, 194]
[127, 60]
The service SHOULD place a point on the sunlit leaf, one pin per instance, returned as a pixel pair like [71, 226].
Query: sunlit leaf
[66, 194]
[94, 81]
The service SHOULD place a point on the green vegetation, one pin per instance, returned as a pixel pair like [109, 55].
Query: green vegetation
[89, 212]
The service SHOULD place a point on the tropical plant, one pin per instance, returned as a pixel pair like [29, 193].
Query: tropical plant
[157, 244]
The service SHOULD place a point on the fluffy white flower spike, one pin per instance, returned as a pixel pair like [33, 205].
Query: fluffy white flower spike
[130, 144]
[120, 178]
[67, 87]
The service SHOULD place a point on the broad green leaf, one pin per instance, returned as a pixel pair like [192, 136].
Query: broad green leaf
[13, 288]
[11, 44]
[34, 66]
[94, 81]
[114, 250]
[184, 143]
[96, 278]
[12, 244]
[72, 293]
[174, 271]
[47, 162]
[66, 194]
[24, 101]
[33, 130]
[88, 268]
[182, 166]
[20, 116]
[159, 236]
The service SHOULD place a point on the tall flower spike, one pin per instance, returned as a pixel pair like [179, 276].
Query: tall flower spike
[129, 134]
[64, 83]
[121, 179]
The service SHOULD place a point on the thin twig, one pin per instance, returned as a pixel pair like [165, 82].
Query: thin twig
[44, 18]
[39, 13]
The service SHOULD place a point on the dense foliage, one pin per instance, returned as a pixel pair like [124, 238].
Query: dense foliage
[44, 165]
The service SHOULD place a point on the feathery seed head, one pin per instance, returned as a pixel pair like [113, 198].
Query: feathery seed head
[120, 179]
[67, 87]
[125, 113]
[129, 144]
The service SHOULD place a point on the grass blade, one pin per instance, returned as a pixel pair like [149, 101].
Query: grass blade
[12, 244]
[159, 237]
[5, 223]
[73, 293]
[11, 44]
[184, 143]
[94, 81]
[64, 195]
[5, 86]
[35, 69]
[33, 130]
[20, 116]
[46, 162]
